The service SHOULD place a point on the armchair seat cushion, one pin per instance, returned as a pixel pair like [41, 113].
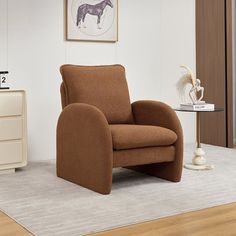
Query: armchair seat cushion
[141, 136]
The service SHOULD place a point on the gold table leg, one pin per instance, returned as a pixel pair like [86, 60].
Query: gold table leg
[198, 127]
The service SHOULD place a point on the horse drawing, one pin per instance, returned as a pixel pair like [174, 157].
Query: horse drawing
[96, 10]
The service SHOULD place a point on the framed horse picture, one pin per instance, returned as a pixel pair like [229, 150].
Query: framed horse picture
[92, 20]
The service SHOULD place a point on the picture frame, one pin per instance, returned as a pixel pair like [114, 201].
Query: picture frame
[92, 20]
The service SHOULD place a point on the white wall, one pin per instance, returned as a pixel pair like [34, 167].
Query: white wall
[177, 47]
[234, 70]
[3, 35]
[154, 39]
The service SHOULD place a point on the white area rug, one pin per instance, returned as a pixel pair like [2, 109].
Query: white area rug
[47, 205]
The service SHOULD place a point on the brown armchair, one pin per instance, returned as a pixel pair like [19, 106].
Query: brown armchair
[99, 129]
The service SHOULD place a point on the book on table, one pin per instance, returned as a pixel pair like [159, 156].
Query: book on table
[197, 107]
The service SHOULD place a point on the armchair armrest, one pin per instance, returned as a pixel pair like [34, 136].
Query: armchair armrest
[160, 114]
[84, 147]
[157, 114]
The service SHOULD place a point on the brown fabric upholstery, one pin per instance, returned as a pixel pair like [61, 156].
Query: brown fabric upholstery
[141, 156]
[63, 96]
[140, 136]
[160, 114]
[93, 98]
[84, 147]
[102, 86]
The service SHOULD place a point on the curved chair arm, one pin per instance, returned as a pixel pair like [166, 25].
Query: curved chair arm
[156, 113]
[84, 147]
[160, 114]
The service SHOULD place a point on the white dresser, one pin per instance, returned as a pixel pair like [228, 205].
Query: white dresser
[13, 130]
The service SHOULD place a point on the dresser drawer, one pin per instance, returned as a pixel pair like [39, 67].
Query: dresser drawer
[11, 103]
[11, 128]
[11, 152]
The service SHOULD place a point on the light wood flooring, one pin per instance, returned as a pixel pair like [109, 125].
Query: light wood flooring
[9, 227]
[216, 221]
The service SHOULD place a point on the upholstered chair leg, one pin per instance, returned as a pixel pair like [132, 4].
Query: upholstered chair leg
[160, 114]
[84, 148]
[87, 177]
[167, 170]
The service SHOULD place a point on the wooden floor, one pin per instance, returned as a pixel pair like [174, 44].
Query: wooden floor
[216, 221]
[9, 227]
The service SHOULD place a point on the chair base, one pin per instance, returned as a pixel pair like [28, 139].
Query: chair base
[166, 170]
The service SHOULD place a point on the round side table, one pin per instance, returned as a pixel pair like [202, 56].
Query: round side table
[199, 162]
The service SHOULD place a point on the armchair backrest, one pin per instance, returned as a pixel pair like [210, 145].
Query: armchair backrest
[102, 86]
